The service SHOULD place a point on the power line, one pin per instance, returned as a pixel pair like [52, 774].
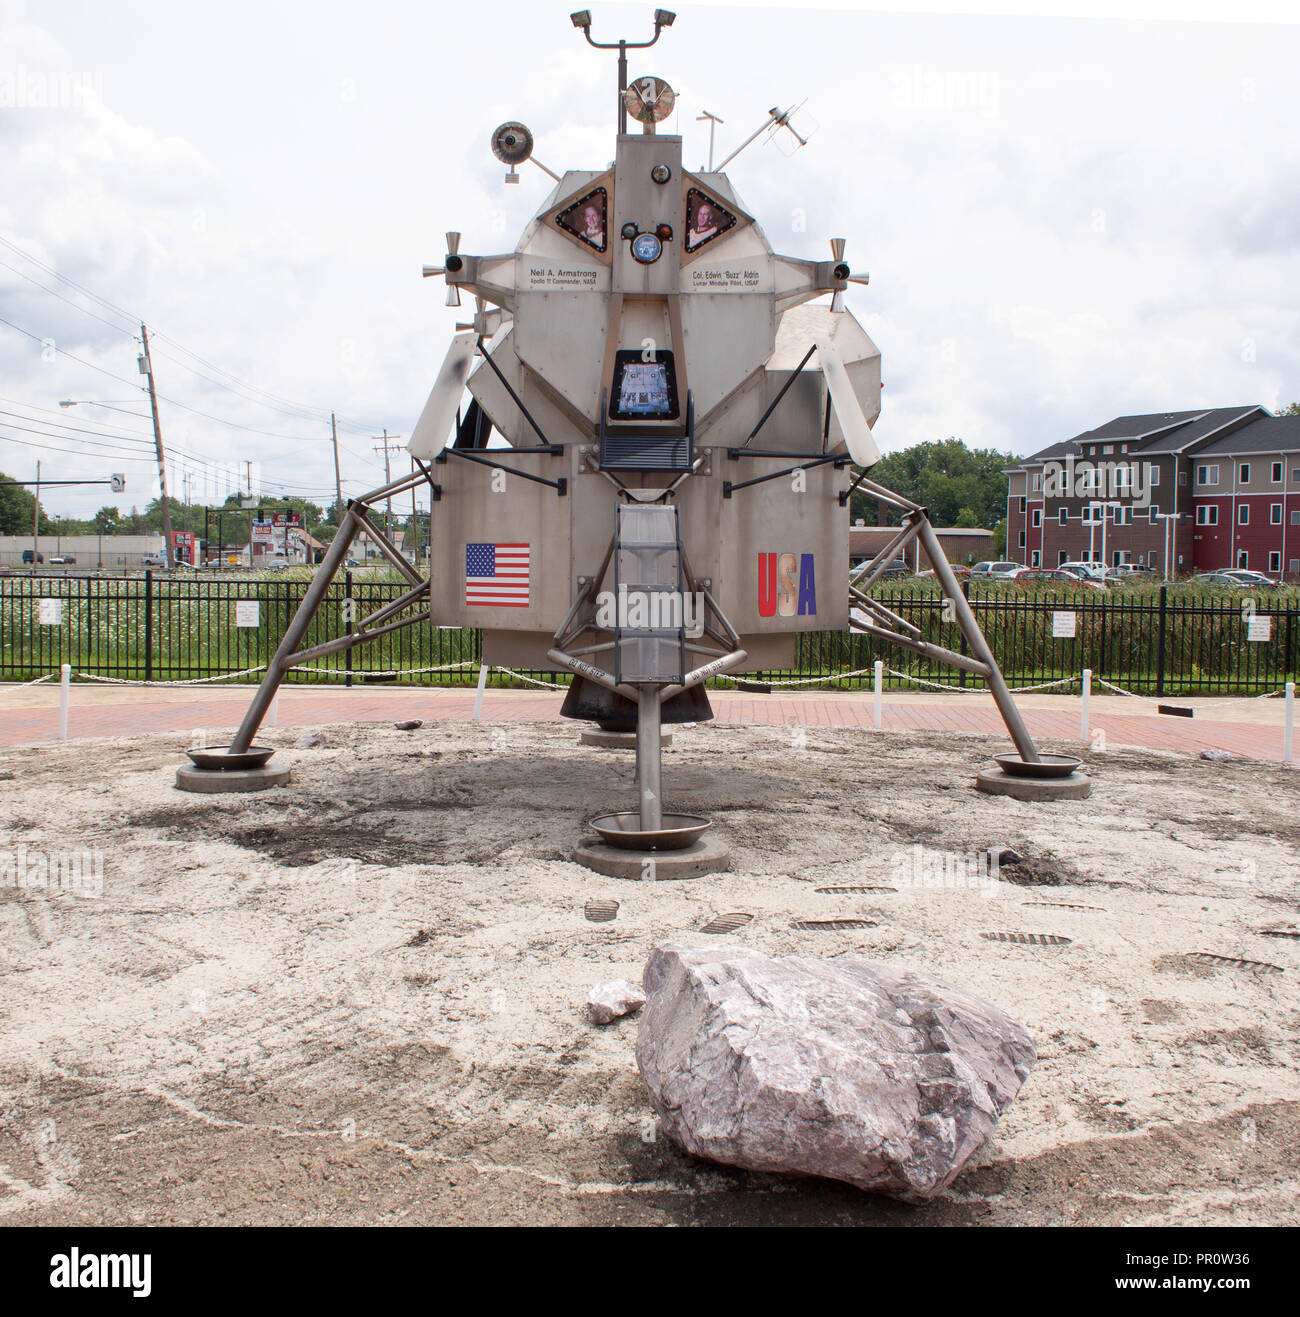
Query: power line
[304, 411]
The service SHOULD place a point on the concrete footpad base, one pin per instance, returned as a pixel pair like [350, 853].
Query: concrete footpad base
[1078, 786]
[189, 778]
[708, 855]
[603, 740]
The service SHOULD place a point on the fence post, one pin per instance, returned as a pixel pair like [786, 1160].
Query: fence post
[1288, 728]
[877, 690]
[65, 690]
[148, 624]
[350, 610]
[478, 695]
[1160, 640]
[1083, 707]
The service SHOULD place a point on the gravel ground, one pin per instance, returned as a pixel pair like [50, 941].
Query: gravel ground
[359, 998]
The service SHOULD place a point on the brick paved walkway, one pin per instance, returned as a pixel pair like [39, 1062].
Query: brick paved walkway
[1248, 728]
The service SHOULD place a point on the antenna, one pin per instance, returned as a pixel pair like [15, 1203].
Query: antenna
[776, 119]
[581, 19]
[512, 144]
[713, 123]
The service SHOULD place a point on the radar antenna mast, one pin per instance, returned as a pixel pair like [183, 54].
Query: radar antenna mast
[581, 19]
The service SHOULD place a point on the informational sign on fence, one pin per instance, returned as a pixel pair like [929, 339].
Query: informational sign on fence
[1259, 626]
[51, 612]
[247, 612]
[1063, 626]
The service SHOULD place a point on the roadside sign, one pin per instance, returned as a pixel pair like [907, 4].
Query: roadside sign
[51, 612]
[247, 613]
[1063, 626]
[1259, 626]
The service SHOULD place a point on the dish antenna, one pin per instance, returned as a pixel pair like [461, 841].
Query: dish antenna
[512, 144]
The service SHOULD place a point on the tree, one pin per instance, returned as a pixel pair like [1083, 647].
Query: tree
[106, 521]
[16, 508]
[959, 486]
[1291, 409]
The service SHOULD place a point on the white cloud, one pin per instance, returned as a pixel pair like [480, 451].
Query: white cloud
[1064, 221]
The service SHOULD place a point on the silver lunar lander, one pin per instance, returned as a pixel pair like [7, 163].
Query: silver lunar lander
[681, 424]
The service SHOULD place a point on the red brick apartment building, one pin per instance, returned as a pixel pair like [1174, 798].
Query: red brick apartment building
[1180, 492]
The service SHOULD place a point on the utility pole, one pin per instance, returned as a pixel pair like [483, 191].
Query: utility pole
[36, 520]
[385, 446]
[146, 368]
[338, 481]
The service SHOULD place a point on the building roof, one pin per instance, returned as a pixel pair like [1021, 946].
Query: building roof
[1267, 434]
[1153, 432]
[1202, 427]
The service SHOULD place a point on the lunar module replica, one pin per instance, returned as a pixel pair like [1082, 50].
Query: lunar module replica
[649, 485]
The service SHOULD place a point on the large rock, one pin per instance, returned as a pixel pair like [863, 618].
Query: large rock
[886, 1078]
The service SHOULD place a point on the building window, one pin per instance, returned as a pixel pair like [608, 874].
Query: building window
[1274, 514]
[1151, 558]
[1022, 539]
[1243, 558]
[1275, 561]
[1277, 473]
[1107, 449]
[1182, 477]
[1038, 517]
[1153, 474]
[1207, 514]
[1062, 555]
[1295, 517]
[1243, 474]
[1022, 505]
[1243, 515]
[1036, 558]
[1293, 566]
[1207, 475]
[1062, 516]
[1036, 481]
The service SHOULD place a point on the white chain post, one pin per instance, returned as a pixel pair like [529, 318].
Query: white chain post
[478, 694]
[1288, 728]
[65, 698]
[877, 694]
[1083, 708]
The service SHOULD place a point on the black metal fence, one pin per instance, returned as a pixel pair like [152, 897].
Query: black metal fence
[160, 628]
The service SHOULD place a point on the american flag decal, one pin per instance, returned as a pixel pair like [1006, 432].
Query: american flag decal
[496, 575]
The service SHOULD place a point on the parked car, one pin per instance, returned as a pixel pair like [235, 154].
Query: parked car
[996, 571]
[1137, 570]
[30, 557]
[1092, 571]
[1055, 575]
[63, 560]
[153, 560]
[1235, 578]
[1248, 577]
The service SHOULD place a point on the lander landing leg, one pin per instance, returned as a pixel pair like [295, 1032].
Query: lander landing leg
[243, 766]
[1025, 775]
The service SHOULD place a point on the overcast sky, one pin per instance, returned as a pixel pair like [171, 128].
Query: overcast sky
[1064, 220]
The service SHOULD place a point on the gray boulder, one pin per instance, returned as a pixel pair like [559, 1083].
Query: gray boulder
[886, 1078]
[610, 1001]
